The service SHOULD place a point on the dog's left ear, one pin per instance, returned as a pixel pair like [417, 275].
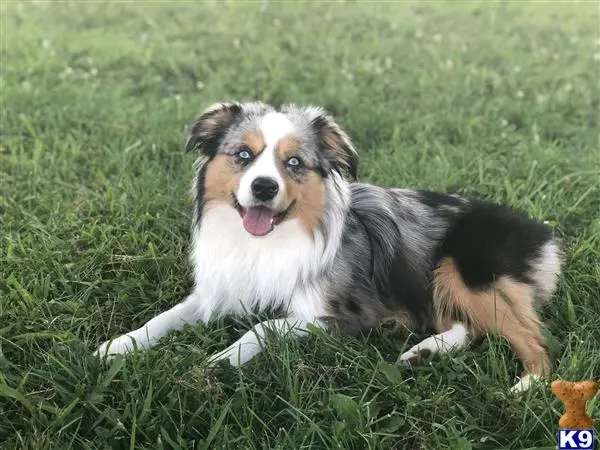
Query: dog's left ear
[209, 129]
[336, 145]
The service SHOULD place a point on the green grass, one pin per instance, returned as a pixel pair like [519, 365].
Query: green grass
[493, 100]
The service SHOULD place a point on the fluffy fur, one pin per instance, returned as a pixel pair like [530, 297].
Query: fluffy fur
[280, 224]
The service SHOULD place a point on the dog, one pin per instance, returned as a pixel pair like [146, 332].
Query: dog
[281, 224]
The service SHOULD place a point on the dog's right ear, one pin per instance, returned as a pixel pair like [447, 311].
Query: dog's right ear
[209, 129]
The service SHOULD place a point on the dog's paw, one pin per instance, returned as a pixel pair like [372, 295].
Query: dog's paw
[237, 354]
[118, 346]
[414, 355]
[524, 383]
[231, 354]
[423, 350]
[213, 360]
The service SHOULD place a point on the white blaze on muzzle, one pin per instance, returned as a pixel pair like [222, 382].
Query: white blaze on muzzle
[259, 217]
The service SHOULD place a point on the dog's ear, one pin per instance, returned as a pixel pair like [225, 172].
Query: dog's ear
[336, 145]
[210, 128]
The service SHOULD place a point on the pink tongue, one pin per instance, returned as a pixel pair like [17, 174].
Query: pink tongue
[258, 220]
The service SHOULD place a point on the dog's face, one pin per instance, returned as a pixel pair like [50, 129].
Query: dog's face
[271, 166]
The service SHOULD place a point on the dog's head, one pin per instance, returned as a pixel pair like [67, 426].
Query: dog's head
[271, 166]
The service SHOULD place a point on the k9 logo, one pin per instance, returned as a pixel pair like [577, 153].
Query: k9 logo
[575, 439]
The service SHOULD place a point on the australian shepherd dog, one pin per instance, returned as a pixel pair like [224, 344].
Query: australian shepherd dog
[281, 224]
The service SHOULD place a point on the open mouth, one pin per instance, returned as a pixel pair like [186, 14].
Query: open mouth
[260, 220]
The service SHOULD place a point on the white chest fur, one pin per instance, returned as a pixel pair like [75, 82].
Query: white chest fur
[236, 272]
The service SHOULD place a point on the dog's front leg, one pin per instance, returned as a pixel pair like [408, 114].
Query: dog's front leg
[191, 310]
[251, 343]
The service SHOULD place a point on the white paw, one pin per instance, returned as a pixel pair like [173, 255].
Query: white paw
[426, 349]
[118, 346]
[417, 352]
[444, 342]
[238, 354]
[524, 383]
[228, 353]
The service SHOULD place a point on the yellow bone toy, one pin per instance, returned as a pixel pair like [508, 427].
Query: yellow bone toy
[574, 396]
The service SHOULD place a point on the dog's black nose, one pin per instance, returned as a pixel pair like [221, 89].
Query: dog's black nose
[264, 188]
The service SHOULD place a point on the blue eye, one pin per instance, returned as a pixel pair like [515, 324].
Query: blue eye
[244, 156]
[293, 162]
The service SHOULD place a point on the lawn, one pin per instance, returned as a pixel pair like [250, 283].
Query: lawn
[497, 101]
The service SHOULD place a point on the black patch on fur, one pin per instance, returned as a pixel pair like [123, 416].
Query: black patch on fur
[489, 241]
[335, 305]
[435, 200]
[413, 360]
[443, 206]
[425, 353]
[207, 138]
[343, 159]
[404, 286]
[319, 122]
[353, 306]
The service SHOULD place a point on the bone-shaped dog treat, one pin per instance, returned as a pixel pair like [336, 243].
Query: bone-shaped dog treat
[574, 396]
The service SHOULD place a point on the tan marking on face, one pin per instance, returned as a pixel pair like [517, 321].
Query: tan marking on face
[286, 147]
[222, 178]
[506, 308]
[309, 198]
[308, 192]
[255, 141]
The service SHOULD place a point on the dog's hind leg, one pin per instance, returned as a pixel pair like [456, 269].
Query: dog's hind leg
[190, 311]
[505, 307]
